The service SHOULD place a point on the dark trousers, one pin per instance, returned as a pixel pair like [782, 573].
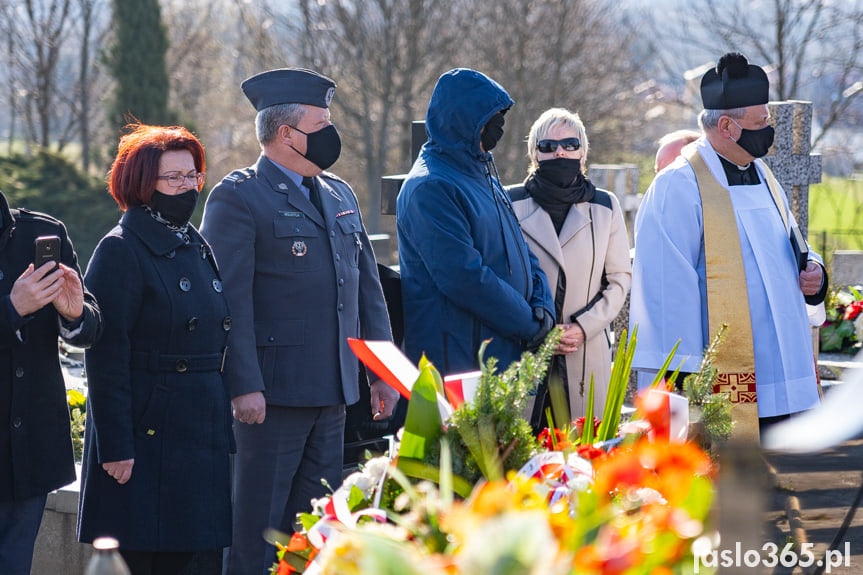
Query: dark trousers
[278, 469]
[156, 562]
[19, 526]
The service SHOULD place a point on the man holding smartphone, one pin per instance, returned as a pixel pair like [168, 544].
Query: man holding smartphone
[38, 304]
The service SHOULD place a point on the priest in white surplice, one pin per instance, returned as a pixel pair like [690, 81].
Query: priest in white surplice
[712, 247]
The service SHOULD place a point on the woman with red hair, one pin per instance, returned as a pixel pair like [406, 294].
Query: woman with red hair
[158, 435]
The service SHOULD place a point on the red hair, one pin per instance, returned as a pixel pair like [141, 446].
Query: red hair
[132, 179]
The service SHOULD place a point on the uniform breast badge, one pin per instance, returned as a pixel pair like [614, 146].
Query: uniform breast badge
[299, 248]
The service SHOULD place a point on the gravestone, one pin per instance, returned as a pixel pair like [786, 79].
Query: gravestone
[790, 158]
[622, 181]
[847, 268]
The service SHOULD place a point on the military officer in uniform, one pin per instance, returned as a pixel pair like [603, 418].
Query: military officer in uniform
[301, 278]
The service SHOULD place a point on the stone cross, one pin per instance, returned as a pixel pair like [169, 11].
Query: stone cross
[790, 157]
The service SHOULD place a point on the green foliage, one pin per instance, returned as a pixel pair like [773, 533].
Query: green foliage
[698, 388]
[137, 62]
[489, 436]
[616, 387]
[840, 330]
[48, 182]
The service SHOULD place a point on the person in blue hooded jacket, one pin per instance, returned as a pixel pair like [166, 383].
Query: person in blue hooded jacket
[467, 273]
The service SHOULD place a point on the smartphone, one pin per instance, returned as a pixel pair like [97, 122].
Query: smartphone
[46, 249]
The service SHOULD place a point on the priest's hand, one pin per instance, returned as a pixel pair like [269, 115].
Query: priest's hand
[571, 338]
[120, 470]
[384, 399]
[250, 408]
[811, 278]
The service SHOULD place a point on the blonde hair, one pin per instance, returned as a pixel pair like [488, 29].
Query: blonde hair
[548, 120]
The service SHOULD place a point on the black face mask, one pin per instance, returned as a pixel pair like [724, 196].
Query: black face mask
[755, 142]
[176, 209]
[322, 147]
[562, 172]
[492, 132]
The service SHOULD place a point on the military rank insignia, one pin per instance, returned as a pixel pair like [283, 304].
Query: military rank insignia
[299, 248]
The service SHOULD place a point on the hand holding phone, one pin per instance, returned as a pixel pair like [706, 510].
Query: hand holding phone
[46, 249]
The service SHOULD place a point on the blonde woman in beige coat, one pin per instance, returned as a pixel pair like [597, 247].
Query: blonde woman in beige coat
[578, 234]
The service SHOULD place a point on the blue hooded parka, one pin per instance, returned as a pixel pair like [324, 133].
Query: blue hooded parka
[467, 273]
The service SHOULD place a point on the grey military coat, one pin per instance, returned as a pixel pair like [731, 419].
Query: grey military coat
[299, 284]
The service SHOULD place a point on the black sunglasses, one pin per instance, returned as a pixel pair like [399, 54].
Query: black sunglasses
[549, 146]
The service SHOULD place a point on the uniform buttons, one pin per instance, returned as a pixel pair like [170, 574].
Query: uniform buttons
[226, 323]
[171, 254]
[353, 226]
[1, 274]
[185, 284]
[271, 339]
[332, 233]
[192, 323]
[217, 285]
[16, 423]
[338, 257]
[181, 365]
[341, 307]
[341, 281]
[297, 230]
[19, 373]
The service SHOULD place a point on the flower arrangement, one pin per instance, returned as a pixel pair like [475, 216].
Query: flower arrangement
[77, 402]
[478, 494]
[842, 331]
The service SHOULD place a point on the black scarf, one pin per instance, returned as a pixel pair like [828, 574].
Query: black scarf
[556, 200]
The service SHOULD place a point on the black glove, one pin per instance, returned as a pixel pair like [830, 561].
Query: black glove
[546, 324]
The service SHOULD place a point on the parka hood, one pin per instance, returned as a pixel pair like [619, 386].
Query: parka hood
[462, 102]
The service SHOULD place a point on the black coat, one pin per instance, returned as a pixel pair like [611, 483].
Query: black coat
[156, 393]
[35, 442]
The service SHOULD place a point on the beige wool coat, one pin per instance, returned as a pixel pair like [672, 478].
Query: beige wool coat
[592, 243]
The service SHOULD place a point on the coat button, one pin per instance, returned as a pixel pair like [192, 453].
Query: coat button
[341, 307]
[181, 365]
[332, 233]
[171, 254]
[226, 323]
[19, 373]
[192, 323]
[16, 423]
[1, 274]
[338, 257]
[217, 286]
[271, 339]
[341, 281]
[185, 284]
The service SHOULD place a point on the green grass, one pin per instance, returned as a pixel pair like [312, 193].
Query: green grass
[836, 215]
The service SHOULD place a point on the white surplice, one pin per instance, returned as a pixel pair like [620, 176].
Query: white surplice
[669, 295]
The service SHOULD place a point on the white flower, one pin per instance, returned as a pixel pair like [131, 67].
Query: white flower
[858, 327]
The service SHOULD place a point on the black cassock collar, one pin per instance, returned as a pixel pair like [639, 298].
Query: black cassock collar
[740, 177]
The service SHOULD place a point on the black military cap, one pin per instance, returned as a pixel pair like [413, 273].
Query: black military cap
[734, 83]
[289, 86]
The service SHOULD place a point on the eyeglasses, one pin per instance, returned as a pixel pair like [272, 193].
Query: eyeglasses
[177, 180]
[549, 146]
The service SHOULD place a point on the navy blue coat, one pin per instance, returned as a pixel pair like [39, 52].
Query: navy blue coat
[156, 393]
[467, 273]
[299, 284]
[35, 442]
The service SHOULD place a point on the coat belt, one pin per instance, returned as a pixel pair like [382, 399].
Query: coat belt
[156, 362]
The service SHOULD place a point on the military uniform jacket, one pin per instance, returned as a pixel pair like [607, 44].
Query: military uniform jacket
[299, 284]
[156, 394]
[35, 442]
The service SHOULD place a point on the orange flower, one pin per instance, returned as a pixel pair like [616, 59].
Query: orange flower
[559, 441]
[298, 542]
[285, 569]
[590, 452]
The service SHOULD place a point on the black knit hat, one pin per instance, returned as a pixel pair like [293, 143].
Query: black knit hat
[734, 83]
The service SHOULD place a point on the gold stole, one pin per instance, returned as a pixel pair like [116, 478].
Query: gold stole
[727, 297]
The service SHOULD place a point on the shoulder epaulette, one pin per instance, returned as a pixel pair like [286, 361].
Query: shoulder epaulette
[332, 176]
[23, 214]
[241, 175]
